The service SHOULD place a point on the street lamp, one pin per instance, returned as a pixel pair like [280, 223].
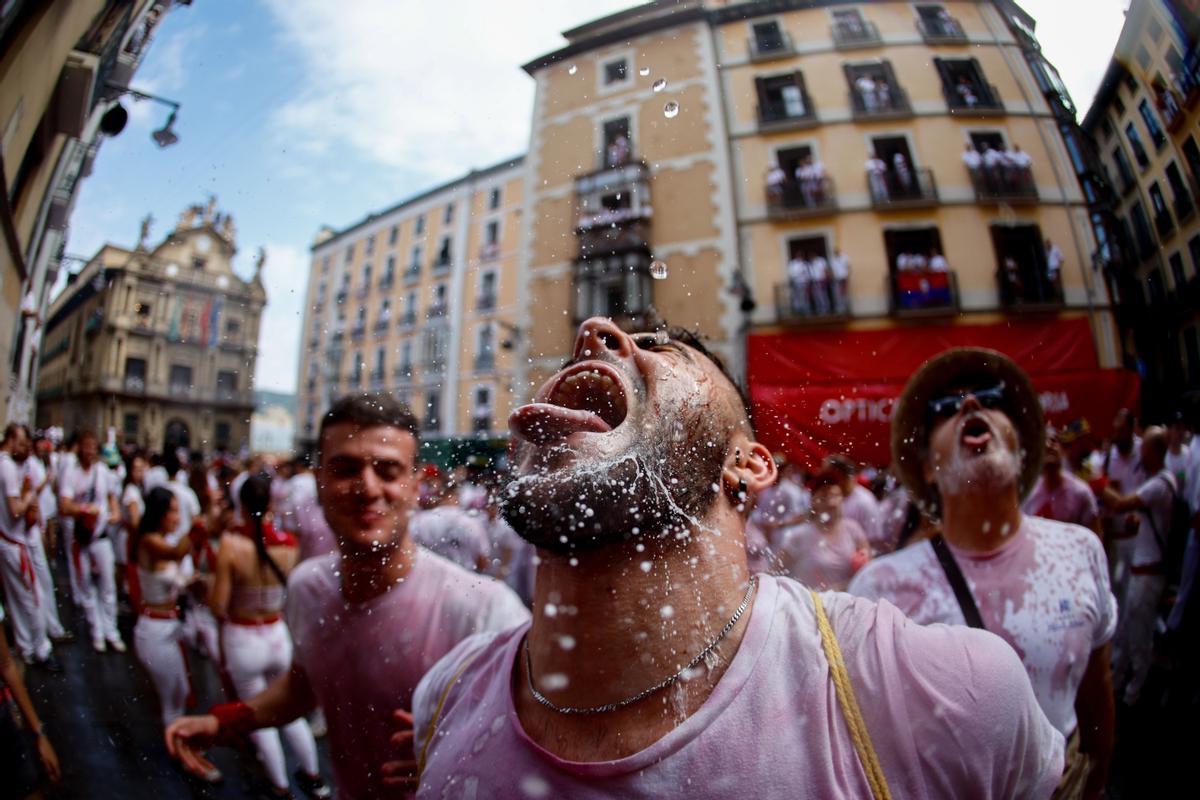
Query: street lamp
[113, 121]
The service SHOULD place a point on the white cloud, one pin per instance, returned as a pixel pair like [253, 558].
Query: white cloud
[419, 85]
[1078, 37]
[286, 279]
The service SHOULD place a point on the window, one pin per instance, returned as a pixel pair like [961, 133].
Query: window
[1183, 198]
[1156, 133]
[917, 285]
[389, 271]
[1135, 142]
[1124, 170]
[487, 291]
[618, 149]
[1156, 287]
[1118, 106]
[420, 224]
[936, 24]
[385, 314]
[180, 379]
[233, 327]
[223, 435]
[485, 356]
[1194, 251]
[491, 232]
[129, 427]
[198, 262]
[782, 97]
[1141, 231]
[226, 385]
[964, 85]
[135, 374]
[433, 403]
[443, 256]
[481, 413]
[357, 370]
[414, 265]
[448, 215]
[1178, 276]
[1106, 129]
[405, 367]
[851, 30]
[1023, 273]
[366, 278]
[377, 372]
[898, 178]
[874, 89]
[434, 345]
[143, 312]
[370, 244]
[1154, 29]
[1191, 154]
[494, 199]
[768, 38]
[617, 286]
[1143, 57]
[1162, 217]
[803, 295]
[393, 234]
[410, 308]
[325, 265]
[437, 305]
[616, 72]
[349, 254]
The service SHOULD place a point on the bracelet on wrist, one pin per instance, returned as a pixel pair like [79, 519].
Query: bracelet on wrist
[234, 720]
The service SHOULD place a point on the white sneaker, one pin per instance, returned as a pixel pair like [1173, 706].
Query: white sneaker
[117, 645]
[98, 645]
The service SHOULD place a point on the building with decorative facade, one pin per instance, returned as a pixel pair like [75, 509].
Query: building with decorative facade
[63, 65]
[157, 343]
[1144, 123]
[420, 300]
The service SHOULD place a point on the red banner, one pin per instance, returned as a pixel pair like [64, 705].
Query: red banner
[825, 392]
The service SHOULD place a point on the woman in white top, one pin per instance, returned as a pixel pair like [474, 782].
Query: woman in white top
[825, 551]
[249, 589]
[157, 635]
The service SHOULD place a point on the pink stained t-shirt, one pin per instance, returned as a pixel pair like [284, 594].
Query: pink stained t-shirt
[307, 521]
[821, 559]
[364, 660]
[1072, 501]
[949, 711]
[862, 507]
[454, 533]
[1045, 591]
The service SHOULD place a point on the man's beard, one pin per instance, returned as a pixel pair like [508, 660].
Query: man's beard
[996, 470]
[661, 486]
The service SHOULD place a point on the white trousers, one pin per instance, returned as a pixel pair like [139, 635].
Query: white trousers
[68, 539]
[97, 581]
[1133, 646]
[254, 656]
[23, 599]
[47, 595]
[200, 631]
[159, 647]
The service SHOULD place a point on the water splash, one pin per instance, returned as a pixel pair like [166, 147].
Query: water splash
[671, 109]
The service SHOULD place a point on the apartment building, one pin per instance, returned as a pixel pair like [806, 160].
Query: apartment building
[157, 344]
[1144, 123]
[420, 300]
[928, 149]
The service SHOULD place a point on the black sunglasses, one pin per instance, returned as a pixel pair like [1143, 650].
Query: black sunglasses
[948, 406]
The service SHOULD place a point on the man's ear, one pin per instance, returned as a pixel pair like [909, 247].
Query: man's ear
[749, 467]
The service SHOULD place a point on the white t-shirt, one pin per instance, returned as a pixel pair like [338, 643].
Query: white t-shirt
[1157, 493]
[364, 660]
[972, 159]
[819, 268]
[1179, 465]
[821, 559]
[132, 495]
[1045, 591]
[92, 486]
[11, 478]
[799, 271]
[862, 507]
[36, 471]
[452, 533]
[949, 711]
[840, 266]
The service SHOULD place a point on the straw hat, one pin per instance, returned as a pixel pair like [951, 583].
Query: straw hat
[937, 377]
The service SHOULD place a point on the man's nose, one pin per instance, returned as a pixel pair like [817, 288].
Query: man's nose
[368, 482]
[599, 335]
[970, 403]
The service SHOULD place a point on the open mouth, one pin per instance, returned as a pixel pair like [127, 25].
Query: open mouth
[587, 399]
[976, 433]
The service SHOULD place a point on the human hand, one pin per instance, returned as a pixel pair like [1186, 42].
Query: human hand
[48, 758]
[187, 738]
[400, 774]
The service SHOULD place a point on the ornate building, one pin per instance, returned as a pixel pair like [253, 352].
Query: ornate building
[158, 343]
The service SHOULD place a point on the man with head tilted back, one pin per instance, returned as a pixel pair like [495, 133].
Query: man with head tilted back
[656, 665]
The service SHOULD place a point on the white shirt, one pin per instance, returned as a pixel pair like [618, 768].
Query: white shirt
[1154, 525]
[1019, 158]
[776, 176]
[993, 157]
[840, 265]
[11, 478]
[819, 268]
[938, 263]
[1054, 258]
[92, 486]
[799, 271]
[876, 165]
[972, 159]
[452, 533]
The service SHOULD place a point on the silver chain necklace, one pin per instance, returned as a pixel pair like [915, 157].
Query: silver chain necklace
[658, 687]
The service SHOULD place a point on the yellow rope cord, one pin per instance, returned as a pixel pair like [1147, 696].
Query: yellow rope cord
[849, 703]
[437, 715]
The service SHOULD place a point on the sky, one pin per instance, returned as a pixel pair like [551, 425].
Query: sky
[303, 113]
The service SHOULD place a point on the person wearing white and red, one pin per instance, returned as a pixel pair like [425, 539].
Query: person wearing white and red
[87, 494]
[858, 503]
[368, 621]
[825, 551]
[633, 471]
[38, 467]
[445, 528]
[1134, 646]
[20, 548]
[1059, 494]
[967, 441]
[248, 593]
[1121, 467]
[786, 502]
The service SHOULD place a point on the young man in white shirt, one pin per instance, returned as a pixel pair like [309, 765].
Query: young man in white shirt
[87, 495]
[800, 276]
[839, 267]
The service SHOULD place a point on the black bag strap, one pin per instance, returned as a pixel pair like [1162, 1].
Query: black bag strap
[958, 583]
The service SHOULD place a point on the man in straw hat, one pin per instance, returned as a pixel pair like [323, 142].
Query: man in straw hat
[656, 665]
[967, 442]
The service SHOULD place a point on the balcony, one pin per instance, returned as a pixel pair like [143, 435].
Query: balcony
[973, 100]
[1012, 185]
[943, 30]
[404, 372]
[922, 293]
[134, 384]
[436, 310]
[885, 102]
[1164, 224]
[363, 291]
[412, 273]
[181, 391]
[489, 252]
[1184, 206]
[407, 319]
[610, 217]
[800, 199]
[337, 336]
[777, 116]
[912, 189]
[434, 366]
[485, 302]
[769, 47]
[314, 343]
[441, 266]
[358, 330]
[342, 295]
[319, 305]
[848, 35]
[377, 379]
[1028, 288]
[811, 303]
[382, 325]
[387, 281]
[485, 361]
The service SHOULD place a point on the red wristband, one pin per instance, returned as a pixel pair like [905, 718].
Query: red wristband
[234, 720]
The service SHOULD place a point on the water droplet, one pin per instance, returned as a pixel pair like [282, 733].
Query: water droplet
[551, 610]
[555, 681]
[566, 642]
[666, 612]
[659, 85]
[646, 565]
[671, 109]
[532, 785]
[658, 270]
[572, 69]
[644, 71]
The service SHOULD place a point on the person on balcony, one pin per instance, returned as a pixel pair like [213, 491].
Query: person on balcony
[819, 268]
[883, 93]
[775, 179]
[966, 93]
[937, 261]
[973, 160]
[994, 167]
[1017, 165]
[811, 175]
[876, 172]
[1012, 280]
[839, 267]
[618, 151]
[903, 172]
[867, 92]
[800, 276]
[1054, 263]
